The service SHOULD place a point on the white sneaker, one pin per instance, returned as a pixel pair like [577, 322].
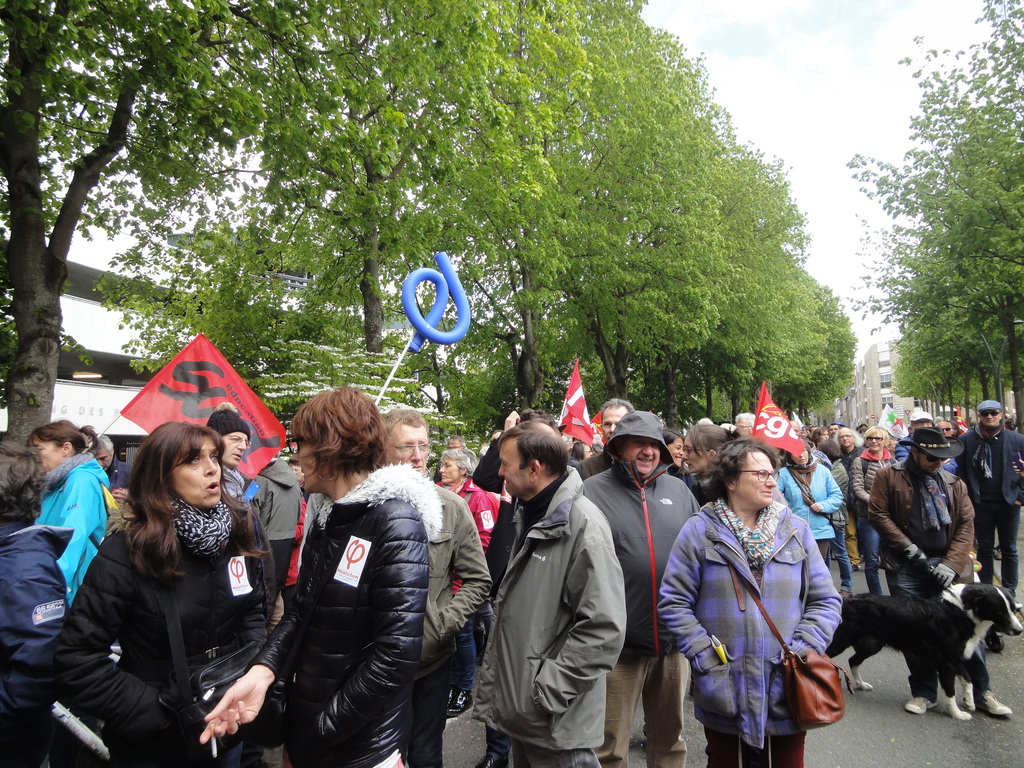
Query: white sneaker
[989, 703]
[919, 706]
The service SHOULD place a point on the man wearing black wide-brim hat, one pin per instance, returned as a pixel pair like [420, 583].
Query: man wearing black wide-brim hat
[925, 519]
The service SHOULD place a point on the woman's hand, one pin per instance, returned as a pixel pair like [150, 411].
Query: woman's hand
[816, 507]
[240, 704]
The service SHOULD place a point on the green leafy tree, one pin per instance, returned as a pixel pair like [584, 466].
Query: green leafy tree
[109, 112]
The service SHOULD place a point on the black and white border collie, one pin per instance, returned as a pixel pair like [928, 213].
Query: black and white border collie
[942, 630]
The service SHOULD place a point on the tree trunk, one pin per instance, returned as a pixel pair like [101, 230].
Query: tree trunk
[614, 359]
[38, 265]
[373, 306]
[1016, 381]
[671, 387]
[708, 393]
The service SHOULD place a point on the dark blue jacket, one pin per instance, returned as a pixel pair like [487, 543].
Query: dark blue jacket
[31, 616]
[1008, 443]
[118, 473]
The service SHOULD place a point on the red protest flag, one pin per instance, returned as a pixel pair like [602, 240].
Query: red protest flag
[574, 416]
[192, 385]
[772, 426]
[960, 422]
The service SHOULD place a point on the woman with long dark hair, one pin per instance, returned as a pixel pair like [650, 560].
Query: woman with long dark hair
[183, 542]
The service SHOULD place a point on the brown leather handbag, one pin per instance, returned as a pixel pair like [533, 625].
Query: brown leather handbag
[813, 685]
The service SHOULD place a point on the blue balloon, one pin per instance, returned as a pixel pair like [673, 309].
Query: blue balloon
[446, 282]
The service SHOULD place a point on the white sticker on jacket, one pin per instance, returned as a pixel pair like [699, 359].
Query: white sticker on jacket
[487, 519]
[350, 569]
[45, 612]
[238, 575]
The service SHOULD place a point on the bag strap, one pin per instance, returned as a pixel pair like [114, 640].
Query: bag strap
[764, 611]
[173, 619]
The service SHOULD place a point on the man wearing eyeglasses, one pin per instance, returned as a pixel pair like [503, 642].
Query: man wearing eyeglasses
[993, 477]
[925, 522]
[454, 553]
[646, 508]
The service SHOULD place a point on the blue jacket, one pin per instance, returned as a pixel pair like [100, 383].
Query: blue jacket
[824, 490]
[78, 504]
[119, 472]
[31, 616]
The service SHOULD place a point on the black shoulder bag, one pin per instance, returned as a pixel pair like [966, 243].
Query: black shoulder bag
[200, 689]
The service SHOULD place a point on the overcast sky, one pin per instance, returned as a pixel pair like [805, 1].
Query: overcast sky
[813, 83]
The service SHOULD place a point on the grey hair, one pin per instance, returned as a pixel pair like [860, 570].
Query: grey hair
[103, 442]
[460, 457]
[746, 417]
[618, 403]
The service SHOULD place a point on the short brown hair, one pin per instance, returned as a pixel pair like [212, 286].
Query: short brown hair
[404, 417]
[343, 430]
[59, 432]
[21, 483]
[153, 544]
[536, 442]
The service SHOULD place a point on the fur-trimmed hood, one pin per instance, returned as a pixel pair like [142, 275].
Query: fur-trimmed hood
[398, 481]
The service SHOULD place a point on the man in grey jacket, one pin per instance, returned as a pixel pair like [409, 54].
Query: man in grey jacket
[646, 508]
[560, 611]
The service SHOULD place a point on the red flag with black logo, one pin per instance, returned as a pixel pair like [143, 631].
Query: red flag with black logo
[772, 426]
[574, 416]
[192, 385]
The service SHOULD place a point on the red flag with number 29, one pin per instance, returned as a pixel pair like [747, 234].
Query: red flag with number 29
[772, 426]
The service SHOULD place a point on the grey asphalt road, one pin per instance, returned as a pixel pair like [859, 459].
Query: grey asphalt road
[875, 733]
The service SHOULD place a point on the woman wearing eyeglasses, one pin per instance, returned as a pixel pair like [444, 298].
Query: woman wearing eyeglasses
[743, 539]
[874, 456]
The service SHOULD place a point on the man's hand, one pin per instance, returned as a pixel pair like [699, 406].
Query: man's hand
[511, 420]
[944, 575]
[240, 704]
[916, 557]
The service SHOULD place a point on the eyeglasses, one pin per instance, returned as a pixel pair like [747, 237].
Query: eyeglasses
[689, 449]
[762, 475]
[929, 457]
[409, 450]
[947, 429]
[237, 440]
[989, 413]
[871, 439]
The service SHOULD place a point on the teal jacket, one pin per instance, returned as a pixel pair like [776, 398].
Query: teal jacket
[78, 504]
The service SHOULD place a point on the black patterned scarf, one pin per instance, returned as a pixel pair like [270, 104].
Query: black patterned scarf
[203, 532]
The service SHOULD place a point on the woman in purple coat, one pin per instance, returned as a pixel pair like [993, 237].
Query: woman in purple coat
[734, 656]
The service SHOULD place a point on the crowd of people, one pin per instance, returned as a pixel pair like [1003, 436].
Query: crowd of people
[559, 586]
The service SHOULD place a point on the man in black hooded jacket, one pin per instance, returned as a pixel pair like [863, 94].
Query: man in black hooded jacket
[646, 508]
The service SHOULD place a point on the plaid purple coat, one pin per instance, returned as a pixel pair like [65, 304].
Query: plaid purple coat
[698, 599]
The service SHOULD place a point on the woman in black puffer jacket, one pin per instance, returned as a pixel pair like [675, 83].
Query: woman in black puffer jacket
[183, 539]
[347, 702]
